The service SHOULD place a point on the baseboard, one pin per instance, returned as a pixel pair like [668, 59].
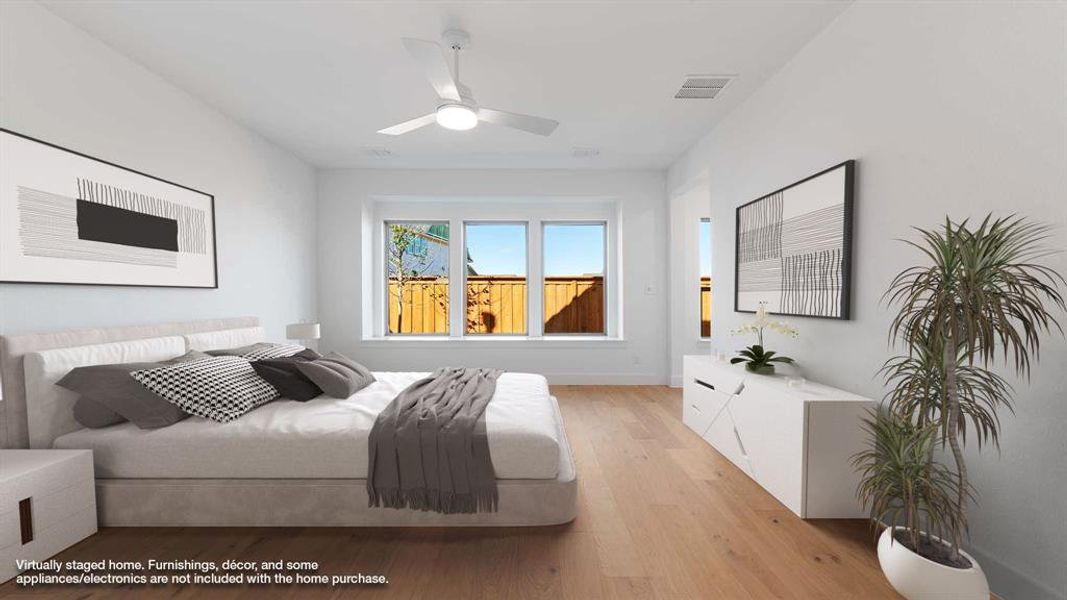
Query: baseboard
[676, 381]
[605, 379]
[1008, 584]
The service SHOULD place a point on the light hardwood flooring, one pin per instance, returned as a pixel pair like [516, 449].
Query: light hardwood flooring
[661, 515]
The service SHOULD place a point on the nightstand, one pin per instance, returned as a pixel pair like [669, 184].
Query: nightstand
[47, 504]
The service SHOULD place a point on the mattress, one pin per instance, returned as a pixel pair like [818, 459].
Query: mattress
[324, 438]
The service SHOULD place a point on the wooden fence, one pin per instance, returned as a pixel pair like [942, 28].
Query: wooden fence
[705, 307]
[574, 305]
[424, 308]
[498, 305]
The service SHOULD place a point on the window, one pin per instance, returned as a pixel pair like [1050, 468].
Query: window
[416, 266]
[705, 278]
[496, 278]
[491, 271]
[574, 265]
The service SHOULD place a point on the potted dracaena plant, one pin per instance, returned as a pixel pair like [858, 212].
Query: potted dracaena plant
[756, 358]
[982, 293]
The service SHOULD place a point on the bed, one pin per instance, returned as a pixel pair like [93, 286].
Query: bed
[283, 464]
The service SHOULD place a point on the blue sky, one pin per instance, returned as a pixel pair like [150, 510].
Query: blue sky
[497, 249]
[705, 248]
[500, 249]
[574, 249]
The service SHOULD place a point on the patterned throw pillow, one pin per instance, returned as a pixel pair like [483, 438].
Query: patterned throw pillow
[220, 388]
[272, 351]
[260, 350]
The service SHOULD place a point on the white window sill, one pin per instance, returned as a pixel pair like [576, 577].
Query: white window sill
[496, 341]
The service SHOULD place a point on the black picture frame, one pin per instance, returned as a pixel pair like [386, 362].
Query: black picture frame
[845, 307]
[211, 207]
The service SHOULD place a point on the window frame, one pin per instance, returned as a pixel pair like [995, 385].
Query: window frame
[544, 225]
[526, 249]
[532, 210]
[384, 259]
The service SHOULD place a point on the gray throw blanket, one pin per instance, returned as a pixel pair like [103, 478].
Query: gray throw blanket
[428, 449]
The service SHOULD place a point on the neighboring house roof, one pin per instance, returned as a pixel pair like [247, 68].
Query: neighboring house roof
[438, 230]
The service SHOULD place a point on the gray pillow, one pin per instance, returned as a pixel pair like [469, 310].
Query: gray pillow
[90, 413]
[109, 395]
[336, 375]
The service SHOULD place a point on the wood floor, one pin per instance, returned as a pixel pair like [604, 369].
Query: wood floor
[661, 516]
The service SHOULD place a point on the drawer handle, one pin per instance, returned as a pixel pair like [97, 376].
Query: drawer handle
[707, 385]
[26, 520]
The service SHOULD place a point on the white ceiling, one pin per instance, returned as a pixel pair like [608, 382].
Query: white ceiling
[320, 78]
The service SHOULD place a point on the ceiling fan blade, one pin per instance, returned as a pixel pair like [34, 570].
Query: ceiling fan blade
[516, 121]
[411, 125]
[432, 61]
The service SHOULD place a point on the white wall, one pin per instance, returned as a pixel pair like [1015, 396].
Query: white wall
[950, 108]
[690, 201]
[345, 200]
[63, 86]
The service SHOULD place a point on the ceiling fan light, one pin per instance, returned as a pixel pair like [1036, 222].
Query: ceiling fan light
[457, 117]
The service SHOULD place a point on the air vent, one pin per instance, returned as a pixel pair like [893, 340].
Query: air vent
[580, 152]
[702, 86]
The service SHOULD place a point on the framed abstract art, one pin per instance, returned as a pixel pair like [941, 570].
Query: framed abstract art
[66, 217]
[794, 247]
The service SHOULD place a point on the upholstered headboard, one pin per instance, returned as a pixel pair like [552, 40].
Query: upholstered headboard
[14, 432]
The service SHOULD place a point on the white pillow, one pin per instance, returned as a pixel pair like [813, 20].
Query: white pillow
[226, 338]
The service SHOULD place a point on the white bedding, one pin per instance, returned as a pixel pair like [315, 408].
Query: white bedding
[323, 438]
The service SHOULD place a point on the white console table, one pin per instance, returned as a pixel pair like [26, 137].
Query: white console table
[796, 442]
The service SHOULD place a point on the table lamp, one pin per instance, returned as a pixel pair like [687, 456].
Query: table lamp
[303, 332]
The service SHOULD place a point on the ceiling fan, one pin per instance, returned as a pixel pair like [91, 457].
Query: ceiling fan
[458, 110]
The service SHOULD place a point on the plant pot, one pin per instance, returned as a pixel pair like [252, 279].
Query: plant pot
[918, 578]
[760, 370]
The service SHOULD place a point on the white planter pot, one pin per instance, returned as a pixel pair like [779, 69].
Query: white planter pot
[917, 578]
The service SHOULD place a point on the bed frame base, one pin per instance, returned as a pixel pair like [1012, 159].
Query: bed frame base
[311, 503]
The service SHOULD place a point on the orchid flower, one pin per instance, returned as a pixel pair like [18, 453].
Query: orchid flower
[756, 358]
[763, 321]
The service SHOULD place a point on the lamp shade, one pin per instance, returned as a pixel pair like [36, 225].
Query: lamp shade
[302, 331]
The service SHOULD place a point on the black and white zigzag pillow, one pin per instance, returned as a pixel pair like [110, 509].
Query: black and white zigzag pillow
[264, 350]
[220, 388]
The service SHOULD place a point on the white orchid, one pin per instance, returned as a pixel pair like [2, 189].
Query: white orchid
[764, 321]
[783, 328]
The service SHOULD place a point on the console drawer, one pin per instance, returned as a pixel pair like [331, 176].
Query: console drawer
[701, 405]
[717, 375]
